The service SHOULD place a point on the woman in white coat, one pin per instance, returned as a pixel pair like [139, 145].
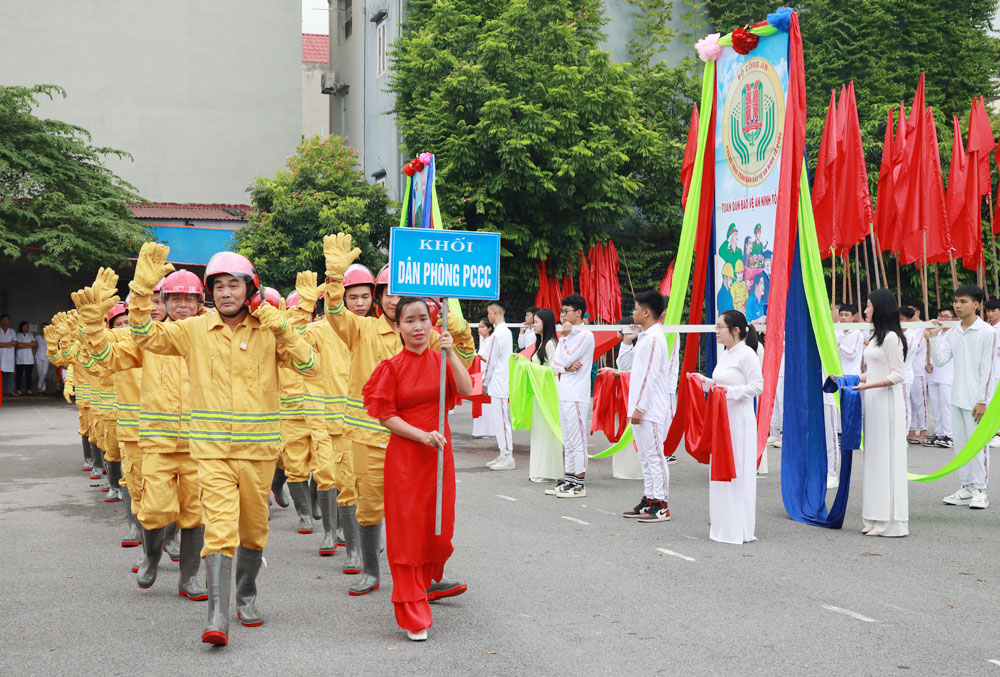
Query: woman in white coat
[733, 505]
[884, 501]
[546, 460]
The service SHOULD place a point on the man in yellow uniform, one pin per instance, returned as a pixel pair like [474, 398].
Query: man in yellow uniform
[232, 357]
[61, 352]
[170, 489]
[369, 341]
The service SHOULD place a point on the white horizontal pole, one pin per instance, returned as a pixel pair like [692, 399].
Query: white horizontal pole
[710, 328]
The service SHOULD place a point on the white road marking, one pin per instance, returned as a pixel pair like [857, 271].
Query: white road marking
[506, 498]
[994, 661]
[847, 612]
[676, 554]
[606, 512]
[690, 538]
[573, 519]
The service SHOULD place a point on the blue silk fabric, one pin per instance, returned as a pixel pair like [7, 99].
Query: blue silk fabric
[850, 409]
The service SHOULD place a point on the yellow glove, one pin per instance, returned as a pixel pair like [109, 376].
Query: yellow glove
[305, 285]
[272, 319]
[106, 282]
[93, 308]
[339, 255]
[51, 335]
[68, 392]
[151, 267]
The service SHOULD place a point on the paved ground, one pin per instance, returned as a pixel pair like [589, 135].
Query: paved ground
[555, 586]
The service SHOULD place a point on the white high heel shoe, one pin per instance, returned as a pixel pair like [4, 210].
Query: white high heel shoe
[418, 636]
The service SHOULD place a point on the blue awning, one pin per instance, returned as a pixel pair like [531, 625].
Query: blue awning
[193, 245]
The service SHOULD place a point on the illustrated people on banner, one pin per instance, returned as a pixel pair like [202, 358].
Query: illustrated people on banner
[746, 257]
[757, 303]
[755, 262]
[724, 299]
[730, 249]
[739, 288]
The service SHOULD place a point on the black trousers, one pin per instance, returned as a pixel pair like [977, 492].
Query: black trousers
[23, 376]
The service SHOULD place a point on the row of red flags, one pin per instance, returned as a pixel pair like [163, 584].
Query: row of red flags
[913, 211]
[599, 285]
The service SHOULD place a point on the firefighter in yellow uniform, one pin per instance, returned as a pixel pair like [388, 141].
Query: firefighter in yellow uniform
[60, 351]
[371, 340]
[83, 386]
[232, 357]
[170, 488]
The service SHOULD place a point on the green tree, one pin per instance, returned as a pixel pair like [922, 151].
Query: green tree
[539, 136]
[60, 207]
[320, 192]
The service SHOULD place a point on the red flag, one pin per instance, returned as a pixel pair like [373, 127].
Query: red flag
[690, 148]
[972, 250]
[586, 282]
[668, 278]
[615, 288]
[824, 192]
[898, 176]
[905, 175]
[885, 212]
[932, 199]
[958, 215]
[981, 143]
[854, 202]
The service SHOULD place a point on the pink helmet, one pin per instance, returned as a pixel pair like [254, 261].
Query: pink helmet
[117, 311]
[293, 300]
[383, 279]
[237, 265]
[357, 274]
[266, 294]
[158, 286]
[182, 282]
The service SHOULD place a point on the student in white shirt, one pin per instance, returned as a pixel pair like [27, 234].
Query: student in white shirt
[850, 342]
[971, 348]
[24, 359]
[496, 384]
[993, 318]
[526, 337]
[939, 388]
[573, 361]
[41, 359]
[8, 342]
[649, 408]
[918, 356]
[483, 426]
[831, 428]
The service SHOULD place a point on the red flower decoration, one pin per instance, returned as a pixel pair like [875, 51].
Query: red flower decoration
[417, 165]
[744, 41]
[408, 169]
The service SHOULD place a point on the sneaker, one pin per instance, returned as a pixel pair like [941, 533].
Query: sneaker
[554, 491]
[995, 442]
[658, 512]
[979, 500]
[504, 464]
[777, 443]
[490, 464]
[929, 442]
[418, 636]
[961, 497]
[944, 442]
[639, 510]
[832, 482]
[671, 459]
[573, 491]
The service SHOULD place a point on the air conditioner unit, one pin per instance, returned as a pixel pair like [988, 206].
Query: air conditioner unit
[330, 85]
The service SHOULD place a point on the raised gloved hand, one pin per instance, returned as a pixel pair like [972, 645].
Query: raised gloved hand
[66, 326]
[106, 282]
[339, 255]
[150, 268]
[51, 335]
[272, 318]
[68, 392]
[93, 305]
[305, 285]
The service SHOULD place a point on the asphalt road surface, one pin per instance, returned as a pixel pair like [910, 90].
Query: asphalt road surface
[556, 586]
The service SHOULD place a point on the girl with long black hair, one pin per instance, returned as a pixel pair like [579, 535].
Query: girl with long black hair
[884, 502]
[545, 462]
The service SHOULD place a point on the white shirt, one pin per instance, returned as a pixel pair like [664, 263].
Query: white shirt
[7, 354]
[971, 350]
[496, 375]
[526, 339]
[41, 351]
[650, 375]
[996, 353]
[577, 347]
[626, 356]
[916, 353]
[944, 373]
[851, 343]
[24, 355]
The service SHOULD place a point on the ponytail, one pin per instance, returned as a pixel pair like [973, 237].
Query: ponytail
[734, 319]
[751, 339]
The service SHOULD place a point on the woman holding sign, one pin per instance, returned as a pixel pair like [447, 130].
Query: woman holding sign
[402, 394]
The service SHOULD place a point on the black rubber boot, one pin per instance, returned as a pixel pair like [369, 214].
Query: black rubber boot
[352, 538]
[278, 487]
[192, 541]
[172, 542]
[152, 546]
[134, 536]
[219, 578]
[114, 476]
[445, 588]
[371, 537]
[314, 499]
[247, 567]
[97, 467]
[88, 462]
[300, 497]
[328, 509]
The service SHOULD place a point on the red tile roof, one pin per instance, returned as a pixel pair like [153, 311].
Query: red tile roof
[191, 211]
[315, 48]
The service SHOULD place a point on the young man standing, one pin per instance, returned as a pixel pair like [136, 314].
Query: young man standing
[850, 342]
[918, 355]
[496, 384]
[649, 407]
[526, 337]
[993, 318]
[573, 361]
[971, 348]
[939, 381]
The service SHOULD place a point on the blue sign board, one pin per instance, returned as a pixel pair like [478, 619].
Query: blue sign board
[444, 263]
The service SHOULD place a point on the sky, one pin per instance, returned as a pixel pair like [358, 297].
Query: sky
[315, 16]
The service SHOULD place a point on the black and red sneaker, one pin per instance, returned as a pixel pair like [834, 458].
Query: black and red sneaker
[639, 510]
[658, 512]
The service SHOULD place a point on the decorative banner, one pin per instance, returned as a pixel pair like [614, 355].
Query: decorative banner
[751, 93]
[444, 263]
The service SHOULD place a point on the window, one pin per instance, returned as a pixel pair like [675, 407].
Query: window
[380, 47]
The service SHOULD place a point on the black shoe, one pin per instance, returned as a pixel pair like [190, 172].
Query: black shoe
[328, 508]
[671, 459]
[639, 510]
[192, 541]
[553, 491]
[352, 538]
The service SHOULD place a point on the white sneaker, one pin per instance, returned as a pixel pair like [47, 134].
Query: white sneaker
[490, 464]
[573, 491]
[418, 636]
[554, 491]
[832, 482]
[995, 442]
[961, 497]
[979, 500]
[504, 464]
[777, 443]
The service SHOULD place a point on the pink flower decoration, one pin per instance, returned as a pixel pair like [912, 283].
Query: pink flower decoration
[425, 158]
[708, 47]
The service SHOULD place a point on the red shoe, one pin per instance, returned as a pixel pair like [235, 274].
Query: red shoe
[215, 637]
[445, 588]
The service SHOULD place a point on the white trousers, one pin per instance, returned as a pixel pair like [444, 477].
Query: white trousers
[976, 471]
[501, 425]
[573, 419]
[918, 403]
[649, 438]
[939, 395]
[43, 370]
[831, 423]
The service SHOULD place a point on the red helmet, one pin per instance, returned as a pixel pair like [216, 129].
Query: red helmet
[434, 308]
[158, 286]
[182, 282]
[293, 300]
[268, 294]
[117, 311]
[383, 279]
[357, 274]
[237, 265]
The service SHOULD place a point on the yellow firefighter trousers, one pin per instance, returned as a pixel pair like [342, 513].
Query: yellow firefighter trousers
[234, 501]
[343, 465]
[170, 491]
[132, 472]
[369, 463]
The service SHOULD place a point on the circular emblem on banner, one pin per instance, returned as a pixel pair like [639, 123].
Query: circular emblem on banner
[753, 121]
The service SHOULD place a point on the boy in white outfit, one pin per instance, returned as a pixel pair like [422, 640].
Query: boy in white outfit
[573, 361]
[526, 337]
[939, 388]
[496, 384]
[971, 348]
[993, 317]
[918, 356]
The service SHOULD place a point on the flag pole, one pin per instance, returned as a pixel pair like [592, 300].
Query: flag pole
[868, 274]
[923, 276]
[899, 283]
[857, 275]
[833, 277]
[845, 291]
[993, 241]
[877, 248]
[937, 288]
[954, 273]
[442, 418]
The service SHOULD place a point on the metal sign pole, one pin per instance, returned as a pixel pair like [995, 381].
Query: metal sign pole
[442, 419]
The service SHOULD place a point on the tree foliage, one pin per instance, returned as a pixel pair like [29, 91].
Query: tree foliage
[60, 207]
[539, 136]
[320, 192]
